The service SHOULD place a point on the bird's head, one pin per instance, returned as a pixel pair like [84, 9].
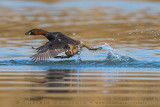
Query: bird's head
[35, 32]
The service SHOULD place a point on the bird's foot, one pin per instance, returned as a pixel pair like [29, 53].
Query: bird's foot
[92, 49]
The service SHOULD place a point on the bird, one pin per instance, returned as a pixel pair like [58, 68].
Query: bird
[58, 43]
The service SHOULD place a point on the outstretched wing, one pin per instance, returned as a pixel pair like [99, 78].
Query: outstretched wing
[50, 49]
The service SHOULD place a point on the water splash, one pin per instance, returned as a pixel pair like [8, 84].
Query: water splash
[107, 47]
[112, 56]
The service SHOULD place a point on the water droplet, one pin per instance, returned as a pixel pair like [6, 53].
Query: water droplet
[74, 33]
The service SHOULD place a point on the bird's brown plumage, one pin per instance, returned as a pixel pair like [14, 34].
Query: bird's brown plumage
[57, 44]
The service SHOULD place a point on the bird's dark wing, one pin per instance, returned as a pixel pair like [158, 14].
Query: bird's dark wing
[50, 49]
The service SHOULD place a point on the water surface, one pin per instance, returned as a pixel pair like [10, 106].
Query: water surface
[124, 73]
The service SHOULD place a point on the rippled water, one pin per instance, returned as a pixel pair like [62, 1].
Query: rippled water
[83, 87]
[124, 73]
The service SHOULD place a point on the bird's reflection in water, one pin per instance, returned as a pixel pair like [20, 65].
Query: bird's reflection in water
[55, 81]
[56, 78]
[71, 84]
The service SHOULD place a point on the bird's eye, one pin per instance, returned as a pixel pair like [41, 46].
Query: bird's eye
[29, 33]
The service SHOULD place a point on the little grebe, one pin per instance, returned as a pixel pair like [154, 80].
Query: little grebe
[57, 44]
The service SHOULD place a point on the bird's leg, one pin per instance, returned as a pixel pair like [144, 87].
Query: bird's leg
[62, 57]
[91, 48]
